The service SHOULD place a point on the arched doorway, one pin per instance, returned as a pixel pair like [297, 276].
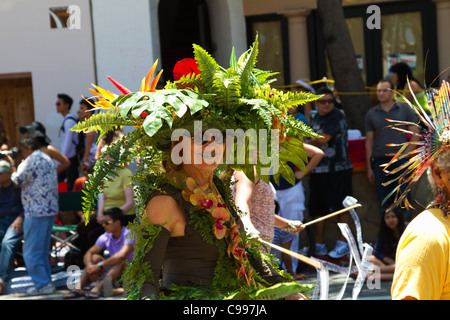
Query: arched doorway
[181, 23]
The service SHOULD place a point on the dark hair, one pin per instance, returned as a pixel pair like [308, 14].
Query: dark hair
[277, 207]
[41, 141]
[116, 214]
[87, 104]
[64, 97]
[404, 73]
[390, 240]
[324, 90]
[388, 81]
[112, 135]
[29, 142]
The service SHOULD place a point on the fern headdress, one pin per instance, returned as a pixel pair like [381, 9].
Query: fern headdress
[433, 141]
[239, 97]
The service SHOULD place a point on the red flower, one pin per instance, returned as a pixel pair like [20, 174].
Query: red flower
[185, 67]
[206, 203]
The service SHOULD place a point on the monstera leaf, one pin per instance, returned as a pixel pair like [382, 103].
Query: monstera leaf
[156, 107]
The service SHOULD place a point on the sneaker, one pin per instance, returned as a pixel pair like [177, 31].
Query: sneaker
[341, 249]
[304, 251]
[47, 289]
[321, 249]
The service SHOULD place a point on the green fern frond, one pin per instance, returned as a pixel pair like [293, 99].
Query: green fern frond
[296, 128]
[298, 98]
[103, 122]
[190, 80]
[227, 90]
[263, 109]
[206, 64]
[261, 77]
[233, 60]
[104, 169]
[246, 64]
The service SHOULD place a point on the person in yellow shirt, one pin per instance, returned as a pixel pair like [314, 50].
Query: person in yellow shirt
[118, 192]
[422, 268]
[423, 254]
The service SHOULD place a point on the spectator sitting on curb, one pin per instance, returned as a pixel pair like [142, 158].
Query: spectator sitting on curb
[120, 248]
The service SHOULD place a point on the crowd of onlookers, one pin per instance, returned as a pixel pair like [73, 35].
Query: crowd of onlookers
[31, 177]
[33, 173]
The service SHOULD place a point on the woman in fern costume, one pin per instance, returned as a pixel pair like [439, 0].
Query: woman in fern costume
[189, 226]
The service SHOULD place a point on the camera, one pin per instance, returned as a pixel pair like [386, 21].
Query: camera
[14, 153]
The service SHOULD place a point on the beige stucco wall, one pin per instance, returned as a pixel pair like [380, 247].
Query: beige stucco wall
[297, 11]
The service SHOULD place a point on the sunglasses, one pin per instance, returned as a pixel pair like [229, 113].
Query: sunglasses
[323, 101]
[107, 222]
[210, 138]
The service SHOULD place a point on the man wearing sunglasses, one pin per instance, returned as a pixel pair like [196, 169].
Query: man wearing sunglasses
[120, 248]
[331, 179]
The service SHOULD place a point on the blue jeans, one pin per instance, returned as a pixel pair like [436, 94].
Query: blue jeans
[37, 234]
[10, 240]
[381, 177]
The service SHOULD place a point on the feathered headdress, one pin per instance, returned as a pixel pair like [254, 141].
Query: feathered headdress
[238, 97]
[432, 142]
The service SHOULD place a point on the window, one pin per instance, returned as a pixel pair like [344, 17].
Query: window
[273, 44]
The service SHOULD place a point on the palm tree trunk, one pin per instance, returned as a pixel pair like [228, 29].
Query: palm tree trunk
[344, 68]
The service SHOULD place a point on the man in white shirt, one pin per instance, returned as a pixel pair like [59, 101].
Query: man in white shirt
[69, 140]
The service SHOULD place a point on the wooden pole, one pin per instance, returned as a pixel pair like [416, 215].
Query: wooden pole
[299, 256]
[332, 214]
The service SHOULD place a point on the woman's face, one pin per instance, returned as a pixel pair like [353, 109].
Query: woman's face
[204, 151]
[209, 150]
[394, 78]
[391, 220]
[442, 179]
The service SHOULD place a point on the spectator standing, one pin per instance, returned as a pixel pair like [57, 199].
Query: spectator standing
[37, 131]
[291, 200]
[400, 73]
[69, 140]
[257, 200]
[90, 137]
[379, 133]
[331, 179]
[36, 176]
[11, 222]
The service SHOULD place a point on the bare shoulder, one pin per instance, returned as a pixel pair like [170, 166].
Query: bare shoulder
[164, 210]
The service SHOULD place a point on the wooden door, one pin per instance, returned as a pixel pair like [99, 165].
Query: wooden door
[16, 106]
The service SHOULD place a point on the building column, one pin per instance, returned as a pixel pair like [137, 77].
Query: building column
[227, 22]
[298, 44]
[443, 25]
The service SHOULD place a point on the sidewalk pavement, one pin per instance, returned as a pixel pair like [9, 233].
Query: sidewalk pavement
[369, 291]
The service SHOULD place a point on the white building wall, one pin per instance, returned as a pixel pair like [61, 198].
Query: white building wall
[123, 42]
[116, 38]
[59, 60]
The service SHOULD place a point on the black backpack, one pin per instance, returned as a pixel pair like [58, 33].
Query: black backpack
[81, 138]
